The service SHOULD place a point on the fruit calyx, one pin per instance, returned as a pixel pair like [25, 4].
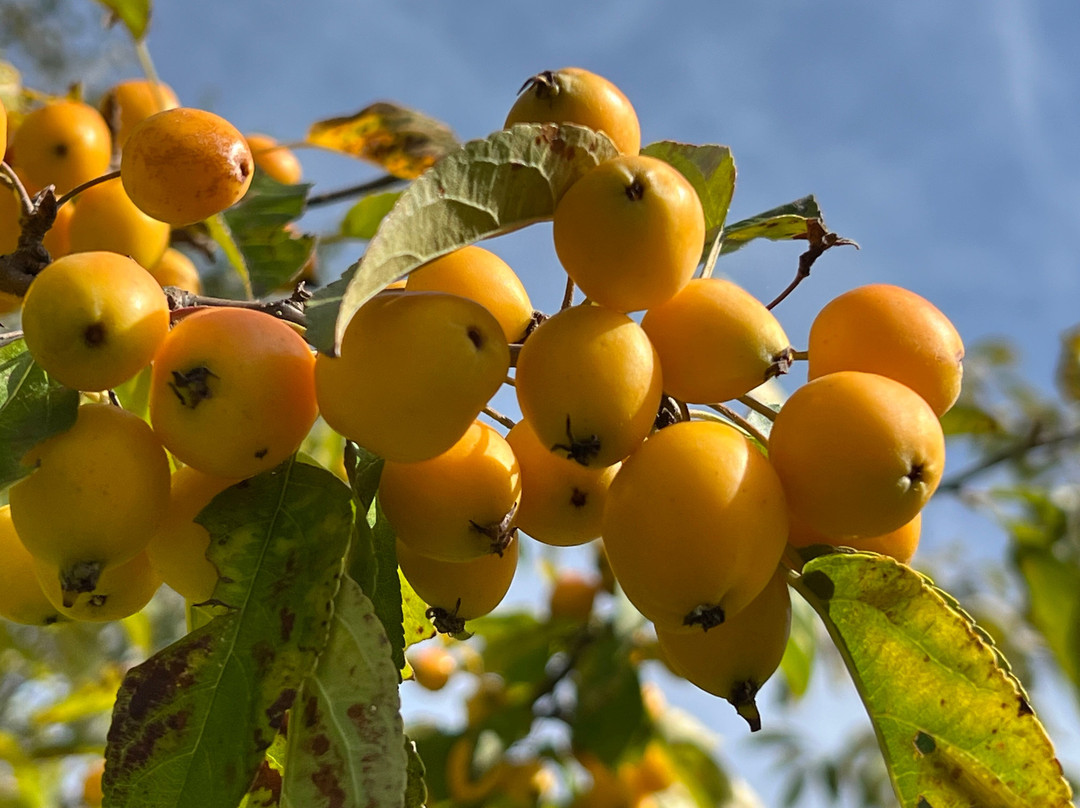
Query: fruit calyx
[706, 615]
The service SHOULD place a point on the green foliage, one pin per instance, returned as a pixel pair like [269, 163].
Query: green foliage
[956, 728]
[784, 222]
[710, 169]
[32, 407]
[364, 217]
[192, 723]
[135, 14]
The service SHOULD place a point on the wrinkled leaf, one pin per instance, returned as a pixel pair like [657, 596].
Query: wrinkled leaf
[135, 14]
[508, 180]
[610, 716]
[709, 168]
[402, 141]
[192, 723]
[346, 736]
[273, 253]
[364, 218]
[955, 728]
[781, 223]
[32, 407]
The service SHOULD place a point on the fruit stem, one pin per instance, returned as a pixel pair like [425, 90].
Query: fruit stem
[568, 294]
[78, 189]
[290, 309]
[9, 178]
[219, 232]
[820, 240]
[714, 253]
[498, 417]
[362, 189]
[730, 417]
[758, 407]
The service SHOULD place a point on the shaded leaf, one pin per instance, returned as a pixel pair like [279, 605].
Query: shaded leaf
[273, 253]
[402, 141]
[610, 716]
[32, 407]
[508, 180]
[709, 168]
[518, 646]
[192, 723]
[955, 728]
[135, 14]
[364, 218]
[346, 736]
[415, 791]
[785, 222]
[798, 661]
[969, 419]
[1053, 594]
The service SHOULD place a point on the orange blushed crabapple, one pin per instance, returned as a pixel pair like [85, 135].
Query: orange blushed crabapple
[93, 320]
[459, 505]
[63, 143]
[458, 591]
[479, 275]
[630, 232]
[277, 162]
[589, 383]
[414, 370]
[95, 496]
[576, 95]
[183, 165]
[716, 341]
[232, 391]
[858, 454]
[572, 595]
[562, 501]
[733, 660]
[900, 544]
[892, 331]
[695, 524]
[174, 268]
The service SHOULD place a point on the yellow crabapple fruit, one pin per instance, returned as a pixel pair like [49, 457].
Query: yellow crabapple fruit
[174, 268]
[126, 104]
[183, 165]
[589, 383]
[695, 524]
[22, 600]
[562, 501]
[579, 96]
[121, 591]
[458, 505]
[93, 320]
[63, 143]
[858, 454]
[892, 331]
[572, 595]
[900, 543]
[432, 666]
[479, 275]
[414, 371]
[630, 232]
[105, 218]
[278, 162]
[716, 341]
[95, 496]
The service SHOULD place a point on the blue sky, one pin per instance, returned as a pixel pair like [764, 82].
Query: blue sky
[940, 136]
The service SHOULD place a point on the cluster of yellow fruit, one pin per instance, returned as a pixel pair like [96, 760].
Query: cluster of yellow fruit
[92, 532]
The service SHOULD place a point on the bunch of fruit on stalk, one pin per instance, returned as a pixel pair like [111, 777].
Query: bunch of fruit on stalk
[624, 432]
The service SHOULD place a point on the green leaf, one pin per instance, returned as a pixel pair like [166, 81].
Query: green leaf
[782, 223]
[1053, 593]
[518, 646]
[798, 661]
[346, 735]
[610, 716]
[364, 218]
[135, 14]
[708, 784]
[274, 256]
[416, 792]
[486, 187]
[192, 723]
[709, 168]
[969, 419]
[955, 728]
[32, 407]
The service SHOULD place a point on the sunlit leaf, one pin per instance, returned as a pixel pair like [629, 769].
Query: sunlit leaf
[955, 728]
[364, 218]
[273, 252]
[709, 168]
[135, 14]
[785, 222]
[508, 180]
[402, 141]
[192, 723]
[32, 408]
[346, 736]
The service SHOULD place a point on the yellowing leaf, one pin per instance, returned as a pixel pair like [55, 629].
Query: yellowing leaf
[135, 14]
[89, 700]
[955, 727]
[401, 140]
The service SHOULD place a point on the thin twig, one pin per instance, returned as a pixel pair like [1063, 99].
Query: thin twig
[354, 190]
[290, 309]
[1034, 440]
[820, 240]
[714, 253]
[498, 417]
[731, 417]
[758, 407]
[78, 189]
[568, 295]
[11, 179]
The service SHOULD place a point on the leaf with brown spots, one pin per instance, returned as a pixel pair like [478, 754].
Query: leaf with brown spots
[346, 737]
[788, 221]
[509, 179]
[955, 727]
[192, 724]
